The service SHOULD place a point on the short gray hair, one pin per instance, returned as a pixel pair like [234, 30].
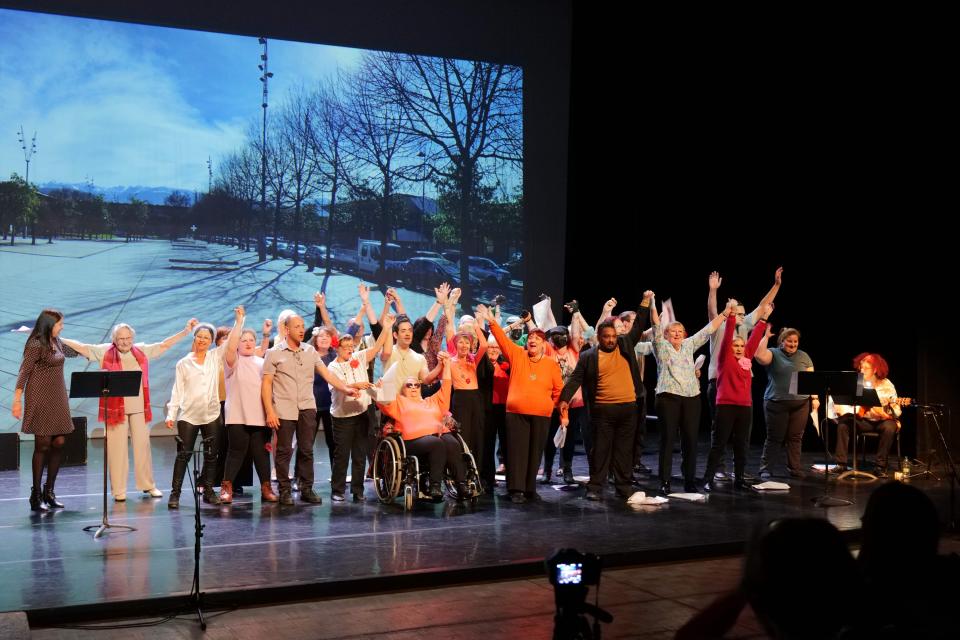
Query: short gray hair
[117, 327]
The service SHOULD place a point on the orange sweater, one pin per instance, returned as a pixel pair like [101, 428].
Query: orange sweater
[415, 418]
[534, 386]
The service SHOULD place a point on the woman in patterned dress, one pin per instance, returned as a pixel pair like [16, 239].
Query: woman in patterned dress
[47, 414]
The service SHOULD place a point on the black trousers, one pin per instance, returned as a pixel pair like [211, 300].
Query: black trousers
[494, 428]
[247, 442]
[305, 426]
[525, 437]
[886, 428]
[188, 435]
[678, 413]
[641, 431]
[786, 420]
[466, 405]
[350, 437]
[613, 435]
[569, 445]
[436, 454]
[731, 420]
[712, 403]
[324, 418]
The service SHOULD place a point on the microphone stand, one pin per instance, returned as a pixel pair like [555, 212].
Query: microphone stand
[195, 599]
[934, 410]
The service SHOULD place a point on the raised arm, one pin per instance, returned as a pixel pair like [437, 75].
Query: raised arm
[322, 313]
[366, 307]
[713, 283]
[441, 293]
[450, 330]
[642, 320]
[763, 355]
[757, 335]
[607, 311]
[384, 343]
[265, 334]
[510, 351]
[768, 299]
[79, 347]
[478, 331]
[179, 335]
[233, 338]
[397, 302]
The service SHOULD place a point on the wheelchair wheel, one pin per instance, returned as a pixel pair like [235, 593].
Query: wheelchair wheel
[408, 498]
[472, 479]
[387, 470]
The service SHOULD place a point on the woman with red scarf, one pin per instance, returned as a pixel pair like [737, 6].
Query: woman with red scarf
[128, 415]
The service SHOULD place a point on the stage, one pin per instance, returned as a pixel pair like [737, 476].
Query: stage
[255, 552]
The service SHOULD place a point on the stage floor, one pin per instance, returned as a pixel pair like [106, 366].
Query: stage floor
[49, 562]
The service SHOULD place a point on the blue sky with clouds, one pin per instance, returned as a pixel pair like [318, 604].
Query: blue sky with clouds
[125, 104]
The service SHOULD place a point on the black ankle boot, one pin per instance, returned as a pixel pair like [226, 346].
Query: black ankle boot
[35, 500]
[50, 498]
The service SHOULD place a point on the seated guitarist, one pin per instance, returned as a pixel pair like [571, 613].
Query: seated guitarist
[884, 419]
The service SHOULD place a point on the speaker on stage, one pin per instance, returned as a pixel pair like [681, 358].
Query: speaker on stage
[75, 448]
[9, 451]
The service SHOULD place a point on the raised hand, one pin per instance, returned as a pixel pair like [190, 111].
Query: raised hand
[267, 326]
[454, 296]
[319, 299]
[648, 295]
[778, 276]
[714, 281]
[191, 324]
[442, 292]
[364, 293]
[238, 314]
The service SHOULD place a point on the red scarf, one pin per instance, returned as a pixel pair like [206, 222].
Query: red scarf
[111, 409]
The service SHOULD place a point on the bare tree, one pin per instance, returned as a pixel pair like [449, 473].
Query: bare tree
[471, 115]
[378, 132]
[239, 174]
[297, 137]
[278, 180]
[327, 148]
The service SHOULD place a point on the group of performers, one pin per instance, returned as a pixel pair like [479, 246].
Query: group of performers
[508, 383]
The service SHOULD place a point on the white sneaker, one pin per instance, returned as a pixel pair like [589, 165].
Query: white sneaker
[154, 493]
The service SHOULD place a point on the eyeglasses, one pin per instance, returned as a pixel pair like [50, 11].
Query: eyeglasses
[412, 385]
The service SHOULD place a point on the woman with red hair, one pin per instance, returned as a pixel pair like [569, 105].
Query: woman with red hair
[884, 419]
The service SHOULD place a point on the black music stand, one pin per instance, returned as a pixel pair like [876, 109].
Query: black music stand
[865, 398]
[823, 383]
[105, 384]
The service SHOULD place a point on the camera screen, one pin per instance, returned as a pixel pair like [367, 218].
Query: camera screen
[569, 573]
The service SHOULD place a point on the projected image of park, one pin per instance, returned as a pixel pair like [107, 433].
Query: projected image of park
[151, 175]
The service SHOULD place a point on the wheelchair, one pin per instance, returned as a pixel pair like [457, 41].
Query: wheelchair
[396, 473]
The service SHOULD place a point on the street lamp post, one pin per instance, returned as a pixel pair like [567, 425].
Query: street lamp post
[265, 78]
[27, 153]
[27, 157]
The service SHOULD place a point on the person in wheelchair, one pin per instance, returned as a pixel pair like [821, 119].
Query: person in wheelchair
[420, 422]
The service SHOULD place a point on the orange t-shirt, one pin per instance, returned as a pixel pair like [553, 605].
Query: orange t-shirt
[415, 418]
[534, 385]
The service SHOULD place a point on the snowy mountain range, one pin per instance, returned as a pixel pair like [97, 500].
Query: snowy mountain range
[153, 195]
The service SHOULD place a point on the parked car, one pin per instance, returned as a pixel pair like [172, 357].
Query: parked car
[315, 252]
[489, 272]
[427, 273]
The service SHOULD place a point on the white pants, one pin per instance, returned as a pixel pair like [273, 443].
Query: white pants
[118, 460]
